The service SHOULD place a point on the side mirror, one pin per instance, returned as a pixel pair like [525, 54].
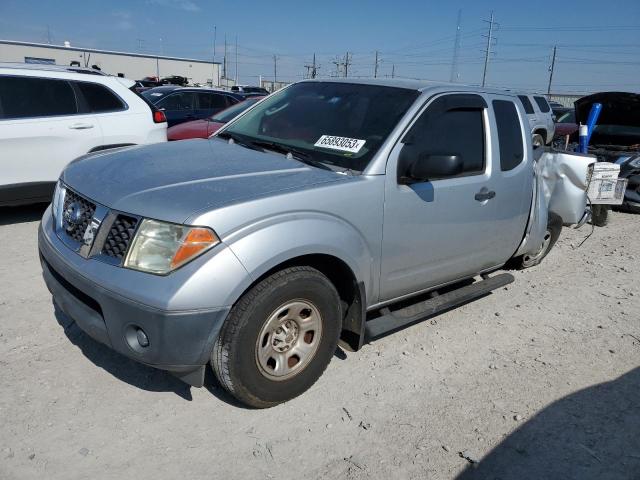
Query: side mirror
[427, 166]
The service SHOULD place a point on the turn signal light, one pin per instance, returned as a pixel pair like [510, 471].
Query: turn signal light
[197, 240]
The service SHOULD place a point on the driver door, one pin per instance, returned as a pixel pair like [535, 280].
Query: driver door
[442, 229]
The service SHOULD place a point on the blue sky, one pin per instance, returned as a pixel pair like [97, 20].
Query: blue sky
[598, 42]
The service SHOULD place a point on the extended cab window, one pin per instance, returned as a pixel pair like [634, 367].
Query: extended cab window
[99, 98]
[451, 125]
[509, 134]
[528, 108]
[542, 103]
[26, 97]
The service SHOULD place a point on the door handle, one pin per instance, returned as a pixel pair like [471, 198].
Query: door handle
[81, 126]
[481, 196]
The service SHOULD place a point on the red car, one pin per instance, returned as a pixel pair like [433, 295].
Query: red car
[208, 126]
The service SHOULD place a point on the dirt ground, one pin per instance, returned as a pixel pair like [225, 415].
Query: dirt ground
[540, 380]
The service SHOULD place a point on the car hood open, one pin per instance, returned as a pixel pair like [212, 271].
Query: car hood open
[619, 121]
[618, 108]
[171, 181]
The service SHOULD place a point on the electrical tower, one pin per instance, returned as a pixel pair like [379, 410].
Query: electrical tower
[375, 68]
[490, 43]
[312, 70]
[456, 50]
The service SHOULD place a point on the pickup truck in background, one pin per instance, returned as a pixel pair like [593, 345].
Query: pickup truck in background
[332, 211]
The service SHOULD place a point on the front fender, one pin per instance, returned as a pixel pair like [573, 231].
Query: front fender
[266, 244]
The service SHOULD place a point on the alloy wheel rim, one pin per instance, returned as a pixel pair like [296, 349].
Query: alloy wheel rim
[289, 339]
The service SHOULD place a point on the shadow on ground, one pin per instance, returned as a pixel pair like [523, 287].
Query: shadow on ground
[27, 213]
[593, 434]
[137, 374]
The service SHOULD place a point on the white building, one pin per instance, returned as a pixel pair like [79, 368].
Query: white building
[130, 65]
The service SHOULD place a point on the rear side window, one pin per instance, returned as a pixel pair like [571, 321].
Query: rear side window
[543, 104]
[211, 101]
[528, 108]
[509, 134]
[99, 98]
[27, 97]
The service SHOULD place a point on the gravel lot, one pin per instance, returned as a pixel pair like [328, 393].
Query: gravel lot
[538, 380]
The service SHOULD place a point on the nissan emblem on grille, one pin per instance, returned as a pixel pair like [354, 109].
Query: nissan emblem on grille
[73, 216]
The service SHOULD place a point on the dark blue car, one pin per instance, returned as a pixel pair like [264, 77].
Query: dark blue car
[183, 104]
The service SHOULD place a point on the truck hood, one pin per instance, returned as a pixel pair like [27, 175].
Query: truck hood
[172, 181]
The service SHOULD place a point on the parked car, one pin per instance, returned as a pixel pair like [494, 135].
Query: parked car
[248, 89]
[616, 137]
[175, 80]
[540, 118]
[185, 104]
[565, 122]
[314, 217]
[206, 127]
[555, 106]
[50, 115]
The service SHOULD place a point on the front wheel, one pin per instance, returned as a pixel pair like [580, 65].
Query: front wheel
[279, 337]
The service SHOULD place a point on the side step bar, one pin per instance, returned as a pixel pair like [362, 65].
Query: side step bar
[436, 304]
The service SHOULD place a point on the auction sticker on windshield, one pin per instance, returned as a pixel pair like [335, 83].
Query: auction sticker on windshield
[343, 144]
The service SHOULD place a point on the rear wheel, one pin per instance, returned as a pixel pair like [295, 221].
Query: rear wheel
[537, 140]
[554, 227]
[279, 337]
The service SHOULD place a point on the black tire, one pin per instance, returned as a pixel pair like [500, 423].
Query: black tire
[234, 356]
[599, 215]
[554, 227]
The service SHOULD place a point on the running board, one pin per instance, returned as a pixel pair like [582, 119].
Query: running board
[434, 305]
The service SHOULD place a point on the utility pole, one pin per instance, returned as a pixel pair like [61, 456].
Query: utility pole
[393, 70]
[551, 68]
[487, 52]
[375, 68]
[213, 72]
[456, 50]
[275, 72]
[48, 35]
[224, 66]
[236, 80]
[347, 62]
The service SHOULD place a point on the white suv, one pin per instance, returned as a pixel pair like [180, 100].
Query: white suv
[50, 115]
[540, 118]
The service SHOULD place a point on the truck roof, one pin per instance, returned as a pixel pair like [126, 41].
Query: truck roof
[419, 85]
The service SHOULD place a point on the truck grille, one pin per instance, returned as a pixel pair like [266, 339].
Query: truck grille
[119, 236]
[77, 212]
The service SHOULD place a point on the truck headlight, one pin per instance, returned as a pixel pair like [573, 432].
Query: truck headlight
[161, 247]
[56, 203]
[635, 163]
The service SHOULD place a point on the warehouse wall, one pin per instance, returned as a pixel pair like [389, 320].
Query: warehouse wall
[133, 66]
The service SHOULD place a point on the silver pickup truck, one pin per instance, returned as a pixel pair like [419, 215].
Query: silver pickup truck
[332, 211]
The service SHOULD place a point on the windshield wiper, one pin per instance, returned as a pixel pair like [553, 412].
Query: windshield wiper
[299, 155]
[239, 141]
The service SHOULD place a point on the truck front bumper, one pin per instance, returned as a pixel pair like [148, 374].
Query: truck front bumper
[178, 341]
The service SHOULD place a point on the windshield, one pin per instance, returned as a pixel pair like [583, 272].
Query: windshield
[232, 112]
[340, 124]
